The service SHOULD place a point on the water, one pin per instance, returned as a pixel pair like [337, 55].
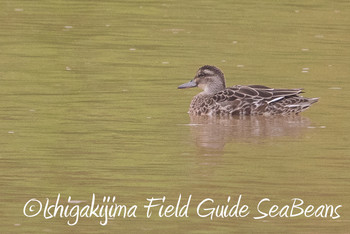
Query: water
[89, 105]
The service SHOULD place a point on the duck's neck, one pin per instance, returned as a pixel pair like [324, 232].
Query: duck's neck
[213, 88]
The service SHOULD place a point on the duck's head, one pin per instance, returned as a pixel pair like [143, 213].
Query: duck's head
[209, 78]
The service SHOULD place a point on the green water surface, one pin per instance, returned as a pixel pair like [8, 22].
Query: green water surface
[89, 104]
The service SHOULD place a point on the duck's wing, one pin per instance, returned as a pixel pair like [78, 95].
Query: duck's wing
[246, 98]
[254, 93]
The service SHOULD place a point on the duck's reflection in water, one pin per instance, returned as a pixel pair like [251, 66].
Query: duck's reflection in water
[210, 134]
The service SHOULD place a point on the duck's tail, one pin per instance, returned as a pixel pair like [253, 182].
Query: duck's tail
[301, 104]
[312, 100]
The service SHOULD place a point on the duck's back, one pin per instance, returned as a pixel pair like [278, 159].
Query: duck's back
[250, 100]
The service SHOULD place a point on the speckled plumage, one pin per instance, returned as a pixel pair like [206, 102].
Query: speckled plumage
[216, 99]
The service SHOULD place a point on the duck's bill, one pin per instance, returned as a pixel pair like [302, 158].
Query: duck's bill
[190, 84]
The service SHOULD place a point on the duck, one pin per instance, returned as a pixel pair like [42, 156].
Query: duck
[217, 99]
